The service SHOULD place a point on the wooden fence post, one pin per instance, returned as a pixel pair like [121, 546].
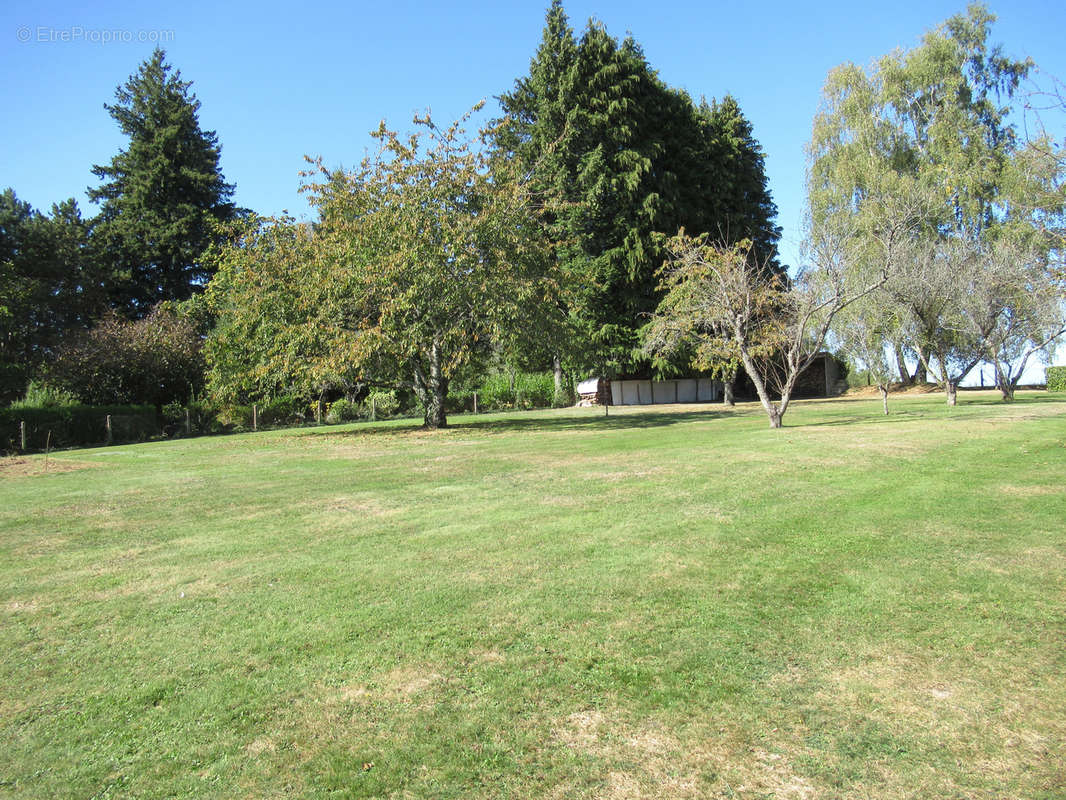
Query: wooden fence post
[188, 423]
[475, 402]
[22, 433]
[373, 408]
[107, 425]
[255, 417]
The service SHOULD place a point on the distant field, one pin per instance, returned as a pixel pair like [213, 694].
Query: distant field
[673, 602]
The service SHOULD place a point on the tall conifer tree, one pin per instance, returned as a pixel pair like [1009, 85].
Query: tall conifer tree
[617, 156]
[162, 194]
[49, 285]
[739, 199]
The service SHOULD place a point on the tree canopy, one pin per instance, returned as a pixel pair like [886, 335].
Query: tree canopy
[615, 159]
[935, 122]
[163, 195]
[420, 259]
[50, 285]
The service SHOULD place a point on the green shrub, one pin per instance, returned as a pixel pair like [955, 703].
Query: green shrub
[274, 413]
[285, 410]
[459, 400]
[530, 390]
[41, 395]
[75, 425]
[1056, 379]
[858, 378]
[203, 417]
[495, 393]
[343, 410]
[380, 404]
[534, 390]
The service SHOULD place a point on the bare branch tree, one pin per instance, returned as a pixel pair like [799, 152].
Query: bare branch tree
[725, 304]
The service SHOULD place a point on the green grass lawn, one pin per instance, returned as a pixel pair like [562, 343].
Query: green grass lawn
[667, 603]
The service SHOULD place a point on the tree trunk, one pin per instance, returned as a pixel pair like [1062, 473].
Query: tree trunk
[773, 410]
[557, 373]
[727, 392]
[432, 389]
[1005, 384]
[952, 389]
[901, 364]
[883, 388]
[921, 375]
[434, 402]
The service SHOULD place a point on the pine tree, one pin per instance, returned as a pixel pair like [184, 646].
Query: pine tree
[739, 199]
[49, 285]
[617, 157]
[581, 128]
[162, 195]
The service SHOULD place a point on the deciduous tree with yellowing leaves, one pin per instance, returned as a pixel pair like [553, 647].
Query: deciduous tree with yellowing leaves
[420, 259]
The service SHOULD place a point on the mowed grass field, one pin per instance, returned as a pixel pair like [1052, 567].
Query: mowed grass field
[672, 602]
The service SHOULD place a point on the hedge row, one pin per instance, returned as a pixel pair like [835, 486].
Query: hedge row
[498, 392]
[1056, 379]
[75, 425]
[58, 425]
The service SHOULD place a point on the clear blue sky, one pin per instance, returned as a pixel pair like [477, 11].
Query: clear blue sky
[281, 80]
[278, 81]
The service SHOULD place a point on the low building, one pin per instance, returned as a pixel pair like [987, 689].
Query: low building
[678, 390]
[820, 379]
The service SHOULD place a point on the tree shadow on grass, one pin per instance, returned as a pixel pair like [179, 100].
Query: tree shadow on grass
[968, 408]
[533, 422]
[635, 418]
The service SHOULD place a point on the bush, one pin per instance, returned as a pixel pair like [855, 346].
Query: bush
[154, 360]
[459, 400]
[286, 410]
[531, 390]
[274, 413]
[495, 393]
[380, 404]
[40, 395]
[534, 390]
[203, 418]
[858, 378]
[75, 425]
[1056, 379]
[343, 410]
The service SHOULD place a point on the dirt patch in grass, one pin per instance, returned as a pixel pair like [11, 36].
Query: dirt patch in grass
[260, 746]
[405, 683]
[365, 507]
[488, 656]
[32, 467]
[866, 392]
[634, 473]
[654, 761]
[20, 606]
[893, 703]
[1014, 490]
[400, 685]
[641, 761]
[1045, 561]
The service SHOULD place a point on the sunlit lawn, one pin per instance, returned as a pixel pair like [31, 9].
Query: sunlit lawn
[668, 603]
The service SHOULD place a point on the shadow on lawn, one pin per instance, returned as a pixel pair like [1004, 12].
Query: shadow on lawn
[523, 422]
[631, 419]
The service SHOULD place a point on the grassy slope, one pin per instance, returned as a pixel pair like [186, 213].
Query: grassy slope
[666, 603]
